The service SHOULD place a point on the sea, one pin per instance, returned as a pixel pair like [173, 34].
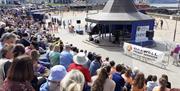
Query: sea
[165, 5]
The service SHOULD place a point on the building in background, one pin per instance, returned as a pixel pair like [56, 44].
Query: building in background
[22, 1]
[141, 1]
[60, 1]
[97, 2]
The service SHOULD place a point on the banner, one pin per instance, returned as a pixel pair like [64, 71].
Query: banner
[141, 33]
[141, 53]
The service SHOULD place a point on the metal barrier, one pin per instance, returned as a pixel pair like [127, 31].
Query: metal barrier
[163, 46]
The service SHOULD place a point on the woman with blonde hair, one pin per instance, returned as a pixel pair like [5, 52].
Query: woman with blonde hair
[73, 81]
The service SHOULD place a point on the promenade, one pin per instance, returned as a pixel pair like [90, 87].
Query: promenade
[163, 36]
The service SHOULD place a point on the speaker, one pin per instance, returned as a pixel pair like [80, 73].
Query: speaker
[97, 41]
[150, 34]
[78, 21]
[91, 39]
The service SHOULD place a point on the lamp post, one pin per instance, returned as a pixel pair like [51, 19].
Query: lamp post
[86, 8]
[177, 16]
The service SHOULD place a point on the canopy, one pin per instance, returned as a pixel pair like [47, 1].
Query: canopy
[118, 11]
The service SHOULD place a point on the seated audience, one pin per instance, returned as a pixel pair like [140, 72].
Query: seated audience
[19, 75]
[113, 68]
[79, 60]
[128, 79]
[66, 57]
[7, 38]
[54, 56]
[139, 83]
[7, 55]
[135, 72]
[57, 73]
[168, 85]
[39, 69]
[103, 82]
[90, 59]
[175, 89]
[73, 81]
[152, 84]
[149, 78]
[17, 51]
[24, 40]
[95, 64]
[33, 46]
[162, 85]
[106, 61]
[118, 79]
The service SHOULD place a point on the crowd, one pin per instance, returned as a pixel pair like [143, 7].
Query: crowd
[32, 59]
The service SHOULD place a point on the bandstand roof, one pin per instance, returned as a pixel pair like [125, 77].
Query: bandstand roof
[118, 11]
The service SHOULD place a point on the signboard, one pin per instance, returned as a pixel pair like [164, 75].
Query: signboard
[141, 53]
[141, 33]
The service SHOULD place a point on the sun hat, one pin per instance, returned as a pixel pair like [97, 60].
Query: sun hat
[57, 73]
[80, 58]
[67, 45]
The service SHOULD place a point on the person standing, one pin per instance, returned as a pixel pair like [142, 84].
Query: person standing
[156, 24]
[59, 23]
[86, 27]
[64, 24]
[176, 55]
[162, 22]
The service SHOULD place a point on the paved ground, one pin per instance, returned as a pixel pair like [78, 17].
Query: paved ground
[167, 32]
[116, 53]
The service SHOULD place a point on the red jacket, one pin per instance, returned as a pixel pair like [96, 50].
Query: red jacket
[84, 70]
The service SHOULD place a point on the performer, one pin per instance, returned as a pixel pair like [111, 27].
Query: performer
[176, 54]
